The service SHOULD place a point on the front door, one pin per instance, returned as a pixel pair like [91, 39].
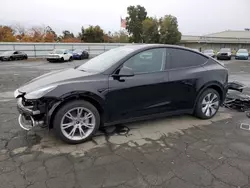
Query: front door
[143, 94]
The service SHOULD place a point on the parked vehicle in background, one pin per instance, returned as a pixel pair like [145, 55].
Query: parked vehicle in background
[121, 85]
[242, 54]
[209, 52]
[224, 54]
[13, 55]
[60, 55]
[80, 54]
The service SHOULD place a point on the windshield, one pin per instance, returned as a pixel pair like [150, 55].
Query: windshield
[208, 51]
[106, 59]
[242, 51]
[225, 50]
[8, 53]
[77, 51]
[58, 52]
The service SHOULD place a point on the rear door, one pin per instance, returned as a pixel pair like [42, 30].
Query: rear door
[185, 71]
[143, 94]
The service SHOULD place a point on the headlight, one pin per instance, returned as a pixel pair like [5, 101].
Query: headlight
[39, 93]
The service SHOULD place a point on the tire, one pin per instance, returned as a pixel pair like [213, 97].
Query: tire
[199, 107]
[11, 58]
[62, 59]
[230, 58]
[60, 117]
[70, 59]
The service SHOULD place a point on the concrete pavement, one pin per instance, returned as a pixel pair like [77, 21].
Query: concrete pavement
[179, 151]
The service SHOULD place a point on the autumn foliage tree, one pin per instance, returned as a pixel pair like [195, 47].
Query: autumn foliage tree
[7, 34]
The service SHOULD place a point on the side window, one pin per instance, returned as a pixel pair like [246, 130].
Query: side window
[180, 58]
[152, 60]
[15, 53]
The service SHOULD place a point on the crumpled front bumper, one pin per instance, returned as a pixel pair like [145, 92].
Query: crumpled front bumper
[29, 116]
[26, 109]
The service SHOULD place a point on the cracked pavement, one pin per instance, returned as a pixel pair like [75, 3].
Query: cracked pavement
[173, 152]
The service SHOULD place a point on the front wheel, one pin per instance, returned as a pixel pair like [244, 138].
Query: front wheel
[208, 104]
[76, 122]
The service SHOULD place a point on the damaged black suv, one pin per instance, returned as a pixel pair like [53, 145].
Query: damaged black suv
[124, 84]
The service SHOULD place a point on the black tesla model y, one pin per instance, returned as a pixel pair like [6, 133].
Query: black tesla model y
[124, 84]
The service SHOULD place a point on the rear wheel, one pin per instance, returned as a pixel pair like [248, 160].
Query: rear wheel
[11, 58]
[76, 122]
[70, 59]
[208, 104]
[62, 59]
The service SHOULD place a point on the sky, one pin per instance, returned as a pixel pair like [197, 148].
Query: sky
[195, 17]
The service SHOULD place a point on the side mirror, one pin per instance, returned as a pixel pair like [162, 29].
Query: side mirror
[125, 72]
[64, 53]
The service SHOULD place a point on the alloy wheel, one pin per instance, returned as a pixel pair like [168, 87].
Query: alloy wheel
[210, 104]
[78, 123]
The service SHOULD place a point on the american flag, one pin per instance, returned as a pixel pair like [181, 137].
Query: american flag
[123, 23]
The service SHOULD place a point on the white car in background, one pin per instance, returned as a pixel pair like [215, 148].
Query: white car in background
[209, 52]
[60, 55]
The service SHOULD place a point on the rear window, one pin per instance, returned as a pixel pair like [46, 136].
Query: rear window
[180, 58]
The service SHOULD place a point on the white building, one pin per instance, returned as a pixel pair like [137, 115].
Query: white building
[229, 38]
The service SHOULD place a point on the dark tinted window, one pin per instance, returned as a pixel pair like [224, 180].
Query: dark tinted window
[147, 61]
[183, 58]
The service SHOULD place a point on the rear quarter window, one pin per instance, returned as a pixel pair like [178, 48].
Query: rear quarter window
[180, 58]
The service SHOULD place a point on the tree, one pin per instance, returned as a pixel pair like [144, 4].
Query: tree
[37, 34]
[7, 34]
[92, 34]
[136, 15]
[150, 30]
[81, 34]
[169, 32]
[67, 34]
[120, 37]
[20, 31]
[50, 35]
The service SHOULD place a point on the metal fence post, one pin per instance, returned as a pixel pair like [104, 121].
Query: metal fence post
[35, 50]
[89, 50]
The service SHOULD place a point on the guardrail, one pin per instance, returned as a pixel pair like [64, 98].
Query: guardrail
[41, 50]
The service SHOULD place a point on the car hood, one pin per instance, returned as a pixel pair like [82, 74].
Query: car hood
[53, 78]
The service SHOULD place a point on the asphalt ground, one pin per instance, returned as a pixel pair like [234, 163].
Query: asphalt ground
[173, 152]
